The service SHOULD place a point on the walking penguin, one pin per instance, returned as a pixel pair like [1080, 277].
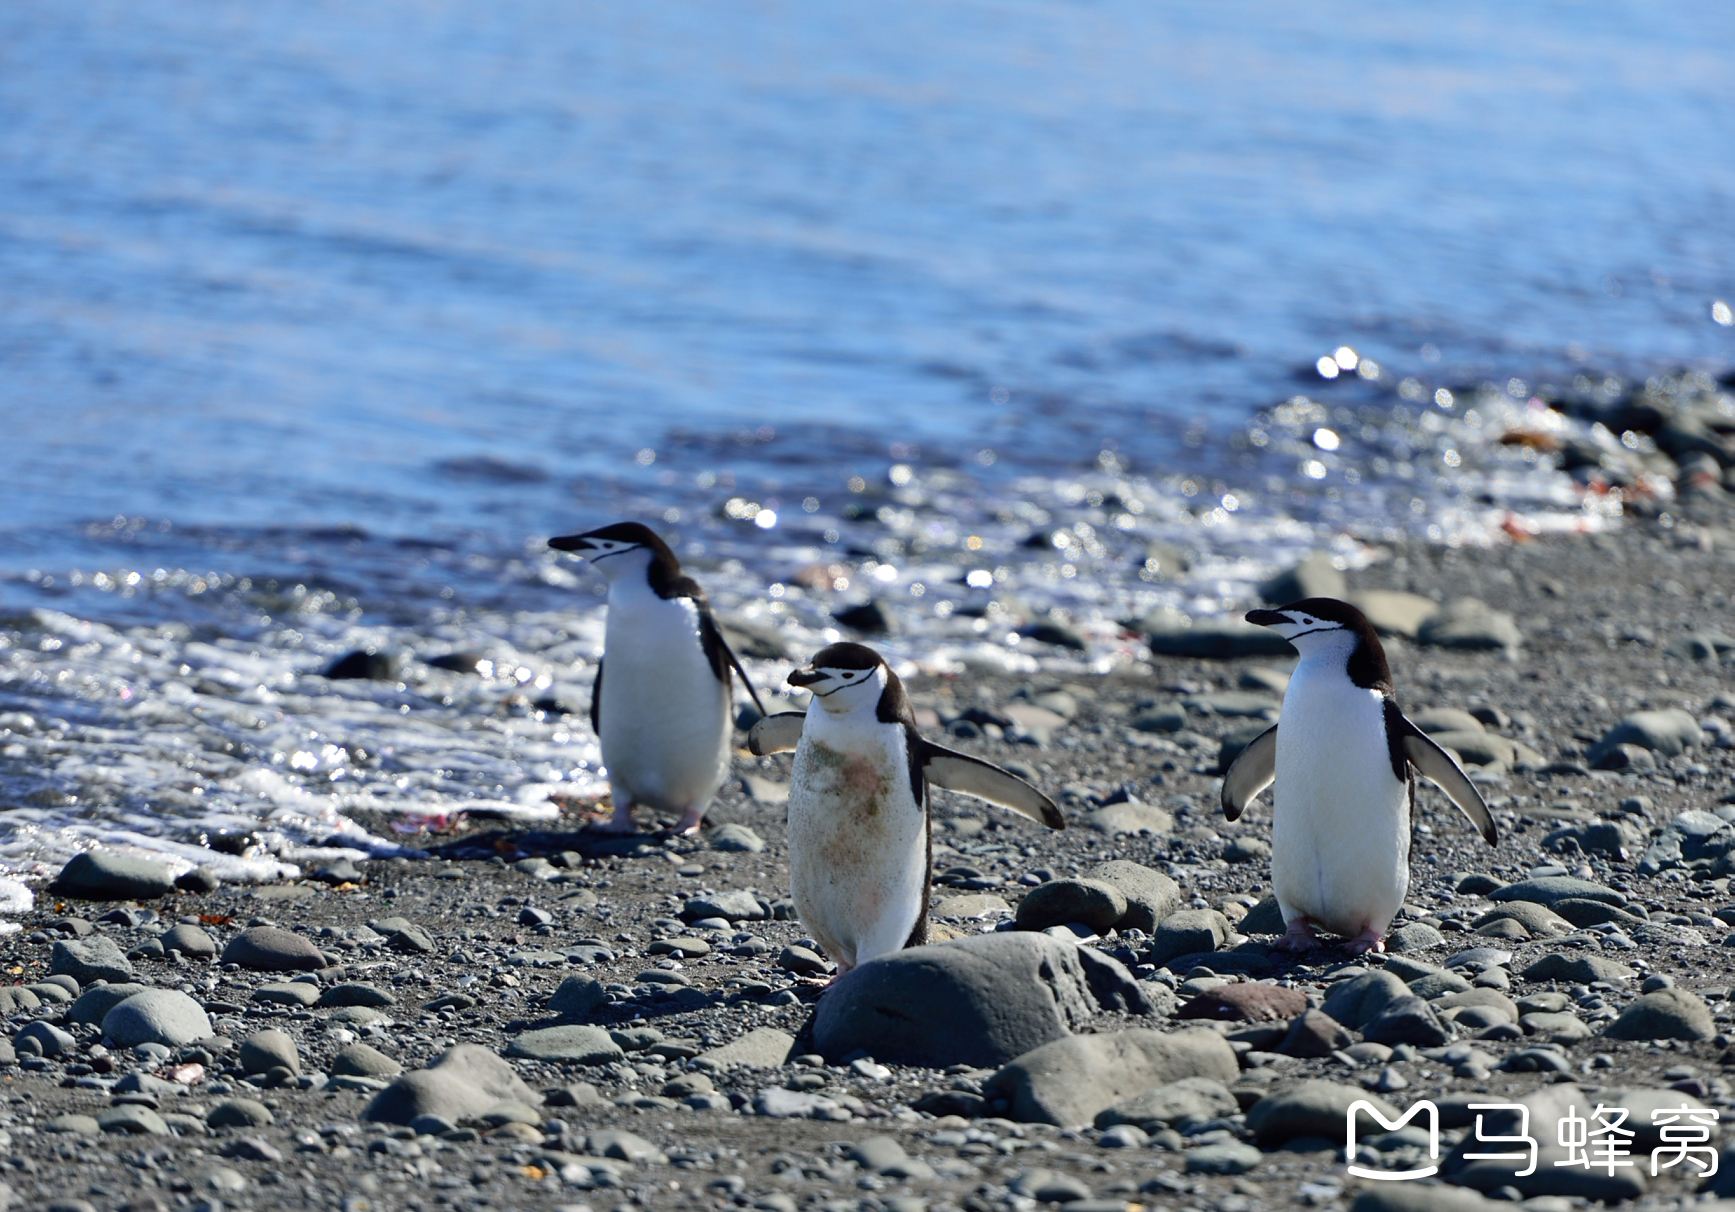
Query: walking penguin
[1342, 755]
[663, 712]
[860, 834]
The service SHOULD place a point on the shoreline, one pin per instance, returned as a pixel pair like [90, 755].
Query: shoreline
[1598, 619]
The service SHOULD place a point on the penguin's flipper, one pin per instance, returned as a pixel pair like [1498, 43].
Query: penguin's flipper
[1251, 772]
[723, 657]
[776, 733]
[1437, 766]
[596, 700]
[953, 771]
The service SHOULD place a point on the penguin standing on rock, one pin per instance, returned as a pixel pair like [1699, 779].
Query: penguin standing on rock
[663, 713]
[1341, 754]
[860, 837]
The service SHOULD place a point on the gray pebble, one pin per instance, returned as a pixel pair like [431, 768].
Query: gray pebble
[90, 959]
[266, 1050]
[157, 1016]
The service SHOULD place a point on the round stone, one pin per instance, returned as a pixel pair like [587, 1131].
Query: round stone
[240, 1113]
[266, 1050]
[157, 1016]
[268, 949]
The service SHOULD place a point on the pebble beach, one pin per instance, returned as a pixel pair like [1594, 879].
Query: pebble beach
[520, 1014]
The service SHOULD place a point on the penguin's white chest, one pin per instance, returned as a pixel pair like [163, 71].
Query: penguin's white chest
[1340, 834]
[665, 715]
[858, 851]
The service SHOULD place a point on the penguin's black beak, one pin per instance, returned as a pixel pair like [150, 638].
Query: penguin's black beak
[805, 676]
[572, 542]
[1268, 618]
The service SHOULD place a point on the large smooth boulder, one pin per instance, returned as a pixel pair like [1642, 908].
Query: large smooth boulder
[1092, 903]
[268, 949]
[1070, 1080]
[1577, 969]
[980, 1000]
[103, 875]
[1151, 895]
[93, 1005]
[157, 1016]
[462, 1084]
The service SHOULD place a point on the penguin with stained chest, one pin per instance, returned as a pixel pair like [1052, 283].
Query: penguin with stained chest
[1342, 755]
[860, 834]
[662, 714]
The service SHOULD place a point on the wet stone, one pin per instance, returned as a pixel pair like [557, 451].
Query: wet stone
[1251, 1002]
[102, 875]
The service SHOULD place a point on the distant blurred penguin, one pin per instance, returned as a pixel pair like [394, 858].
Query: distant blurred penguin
[860, 836]
[1341, 753]
[663, 713]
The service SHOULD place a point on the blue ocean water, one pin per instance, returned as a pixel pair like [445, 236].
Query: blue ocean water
[419, 266]
[316, 318]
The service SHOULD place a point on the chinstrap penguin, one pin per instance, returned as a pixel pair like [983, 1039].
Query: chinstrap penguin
[663, 713]
[1341, 754]
[860, 836]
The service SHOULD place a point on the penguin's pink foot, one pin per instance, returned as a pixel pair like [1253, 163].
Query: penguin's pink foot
[1298, 938]
[1368, 940]
[620, 822]
[690, 822]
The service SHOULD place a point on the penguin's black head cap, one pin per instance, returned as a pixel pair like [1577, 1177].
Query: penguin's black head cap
[620, 538]
[1335, 624]
[853, 677]
[846, 664]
